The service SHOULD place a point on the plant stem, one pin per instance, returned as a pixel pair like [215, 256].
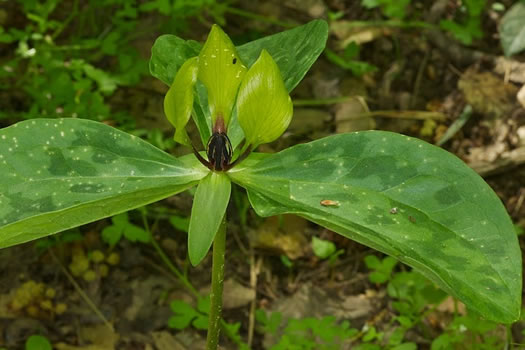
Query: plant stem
[217, 281]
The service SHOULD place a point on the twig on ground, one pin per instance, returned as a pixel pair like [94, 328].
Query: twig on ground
[82, 294]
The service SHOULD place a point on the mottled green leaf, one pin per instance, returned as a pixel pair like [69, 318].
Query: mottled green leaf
[406, 198]
[512, 29]
[264, 107]
[209, 206]
[56, 174]
[221, 71]
[178, 102]
[293, 50]
[168, 54]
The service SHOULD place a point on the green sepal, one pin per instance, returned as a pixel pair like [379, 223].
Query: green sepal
[221, 71]
[178, 102]
[209, 206]
[264, 108]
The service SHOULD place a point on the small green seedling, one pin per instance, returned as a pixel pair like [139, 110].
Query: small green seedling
[382, 269]
[469, 28]
[122, 227]
[307, 333]
[324, 249]
[38, 342]
[185, 315]
[56, 174]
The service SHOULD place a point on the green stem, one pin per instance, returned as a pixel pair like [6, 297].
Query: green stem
[217, 281]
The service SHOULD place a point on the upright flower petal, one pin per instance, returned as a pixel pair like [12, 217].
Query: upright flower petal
[264, 107]
[178, 102]
[221, 71]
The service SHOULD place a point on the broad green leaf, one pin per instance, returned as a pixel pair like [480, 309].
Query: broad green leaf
[56, 174]
[209, 206]
[168, 54]
[221, 71]
[512, 29]
[406, 198]
[264, 107]
[293, 50]
[178, 102]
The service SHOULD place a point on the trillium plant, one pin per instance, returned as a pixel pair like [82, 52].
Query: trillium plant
[397, 194]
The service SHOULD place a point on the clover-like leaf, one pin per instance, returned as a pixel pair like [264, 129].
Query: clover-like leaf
[221, 71]
[264, 107]
[406, 198]
[56, 174]
[209, 206]
[178, 102]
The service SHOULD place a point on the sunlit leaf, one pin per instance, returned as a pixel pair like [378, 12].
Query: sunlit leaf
[221, 71]
[57, 174]
[406, 198]
[178, 102]
[264, 107]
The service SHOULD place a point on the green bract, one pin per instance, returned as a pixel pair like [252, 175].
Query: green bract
[178, 102]
[221, 71]
[264, 107]
[209, 206]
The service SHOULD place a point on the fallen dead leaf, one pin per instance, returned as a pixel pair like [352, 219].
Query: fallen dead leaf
[487, 93]
[521, 96]
[511, 69]
[100, 337]
[165, 341]
[236, 295]
[283, 235]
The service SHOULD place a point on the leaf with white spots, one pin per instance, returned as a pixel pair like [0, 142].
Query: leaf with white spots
[56, 174]
[406, 198]
[294, 50]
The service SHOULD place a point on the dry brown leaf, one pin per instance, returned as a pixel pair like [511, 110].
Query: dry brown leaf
[165, 341]
[100, 337]
[487, 93]
[283, 235]
[510, 69]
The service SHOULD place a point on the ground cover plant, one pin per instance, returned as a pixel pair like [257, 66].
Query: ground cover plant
[428, 210]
